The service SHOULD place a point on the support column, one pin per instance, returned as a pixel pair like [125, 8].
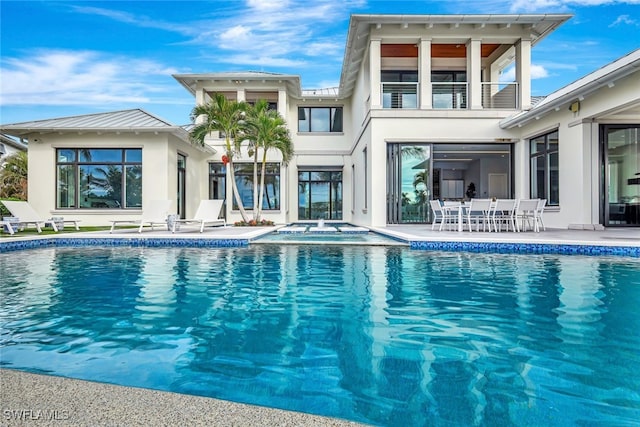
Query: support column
[426, 92]
[523, 73]
[241, 95]
[200, 97]
[474, 74]
[282, 103]
[375, 60]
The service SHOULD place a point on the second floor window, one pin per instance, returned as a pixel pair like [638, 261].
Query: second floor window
[545, 167]
[319, 119]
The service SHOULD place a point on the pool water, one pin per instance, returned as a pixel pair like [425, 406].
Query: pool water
[381, 335]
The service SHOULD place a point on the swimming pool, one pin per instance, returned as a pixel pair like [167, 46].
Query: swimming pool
[382, 335]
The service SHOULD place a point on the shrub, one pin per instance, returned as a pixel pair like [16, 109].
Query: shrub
[254, 223]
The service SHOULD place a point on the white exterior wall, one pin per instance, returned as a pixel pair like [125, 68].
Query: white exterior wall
[579, 151]
[159, 172]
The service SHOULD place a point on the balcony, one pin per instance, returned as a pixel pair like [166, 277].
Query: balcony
[450, 95]
[399, 95]
[500, 96]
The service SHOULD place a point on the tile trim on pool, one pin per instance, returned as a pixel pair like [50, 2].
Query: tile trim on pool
[129, 241]
[530, 248]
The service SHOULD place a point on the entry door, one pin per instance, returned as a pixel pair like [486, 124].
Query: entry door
[498, 185]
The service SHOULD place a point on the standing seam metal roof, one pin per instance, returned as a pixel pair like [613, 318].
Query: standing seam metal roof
[126, 119]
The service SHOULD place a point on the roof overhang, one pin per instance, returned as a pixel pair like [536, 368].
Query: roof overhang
[581, 88]
[244, 79]
[535, 26]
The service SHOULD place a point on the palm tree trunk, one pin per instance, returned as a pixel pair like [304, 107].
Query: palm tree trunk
[236, 193]
[261, 194]
[256, 212]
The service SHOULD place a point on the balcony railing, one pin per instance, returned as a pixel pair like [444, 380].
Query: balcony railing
[399, 95]
[449, 95]
[500, 95]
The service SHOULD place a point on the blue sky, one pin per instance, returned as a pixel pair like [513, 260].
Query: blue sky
[78, 57]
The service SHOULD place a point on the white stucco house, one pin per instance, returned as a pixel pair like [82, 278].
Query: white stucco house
[10, 146]
[421, 113]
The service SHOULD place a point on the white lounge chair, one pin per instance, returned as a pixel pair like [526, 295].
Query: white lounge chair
[154, 213]
[208, 214]
[27, 215]
[7, 225]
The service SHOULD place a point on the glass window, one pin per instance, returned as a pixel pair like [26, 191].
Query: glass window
[545, 165]
[320, 194]
[244, 181]
[320, 119]
[94, 178]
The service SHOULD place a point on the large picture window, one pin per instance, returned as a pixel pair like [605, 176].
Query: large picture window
[320, 194]
[545, 168]
[320, 119]
[99, 178]
[244, 181]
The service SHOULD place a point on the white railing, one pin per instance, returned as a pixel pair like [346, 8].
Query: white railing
[399, 95]
[500, 95]
[449, 95]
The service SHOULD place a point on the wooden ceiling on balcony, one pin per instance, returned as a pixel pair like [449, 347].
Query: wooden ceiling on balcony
[437, 50]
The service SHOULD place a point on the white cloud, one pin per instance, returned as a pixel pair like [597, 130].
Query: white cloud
[561, 5]
[537, 72]
[61, 77]
[266, 32]
[624, 20]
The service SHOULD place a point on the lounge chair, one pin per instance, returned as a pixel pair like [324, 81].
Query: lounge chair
[27, 215]
[6, 225]
[208, 214]
[153, 214]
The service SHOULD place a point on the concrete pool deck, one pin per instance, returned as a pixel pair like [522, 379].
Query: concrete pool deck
[30, 399]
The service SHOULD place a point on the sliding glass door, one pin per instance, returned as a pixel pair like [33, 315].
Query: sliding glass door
[621, 152]
[409, 183]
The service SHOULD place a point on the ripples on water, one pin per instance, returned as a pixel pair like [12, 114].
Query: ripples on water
[383, 335]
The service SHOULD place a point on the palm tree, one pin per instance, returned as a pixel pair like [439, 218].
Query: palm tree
[13, 176]
[267, 130]
[223, 116]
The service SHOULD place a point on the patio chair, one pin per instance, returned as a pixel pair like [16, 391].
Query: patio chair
[478, 211]
[207, 214]
[452, 214]
[539, 211]
[526, 214]
[154, 213]
[503, 213]
[27, 215]
[438, 214]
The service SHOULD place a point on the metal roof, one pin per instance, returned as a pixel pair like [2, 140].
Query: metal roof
[580, 88]
[136, 119]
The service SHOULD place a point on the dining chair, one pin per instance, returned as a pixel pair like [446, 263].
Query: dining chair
[503, 213]
[478, 211]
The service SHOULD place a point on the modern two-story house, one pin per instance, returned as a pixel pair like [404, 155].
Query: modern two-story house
[423, 112]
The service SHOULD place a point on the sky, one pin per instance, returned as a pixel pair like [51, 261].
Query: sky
[65, 58]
